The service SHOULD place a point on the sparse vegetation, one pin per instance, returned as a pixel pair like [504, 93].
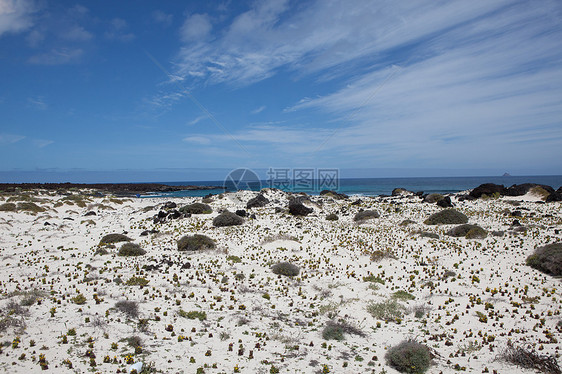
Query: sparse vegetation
[114, 238]
[332, 217]
[136, 281]
[30, 207]
[547, 259]
[366, 215]
[196, 208]
[129, 308]
[227, 219]
[389, 310]
[195, 242]
[336, 330]
[286, 268]
[131, 249]
[530, 359]
[409, 357]
[8, 207]
[194, 314]
[447, 217]
[468, 231]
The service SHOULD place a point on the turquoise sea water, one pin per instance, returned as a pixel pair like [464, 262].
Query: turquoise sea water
[377, 186]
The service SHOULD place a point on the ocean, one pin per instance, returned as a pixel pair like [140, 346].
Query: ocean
[367, 186]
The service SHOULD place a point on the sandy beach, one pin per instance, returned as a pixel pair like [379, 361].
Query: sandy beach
[72, 304]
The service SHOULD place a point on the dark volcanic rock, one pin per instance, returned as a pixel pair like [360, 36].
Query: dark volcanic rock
[445, 202]
[465, 198]
[554, 196]
[357, 202]
[174, 214]
[488, 189]
[241, 213]
[257, 202]
[90, 213]
[400, 191]
[334, 194]
[170, 205]
[227, 218]
[522, 189]
[296, 208]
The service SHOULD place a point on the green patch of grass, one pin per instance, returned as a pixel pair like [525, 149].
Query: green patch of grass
[79, 299]
[136, 281]
[234, 259]
[389, 310]
[8, 207]
[403, 295]
[373, 278]
[30, 207]
[194, 314]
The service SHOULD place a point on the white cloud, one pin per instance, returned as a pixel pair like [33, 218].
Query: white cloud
[118, 30]
[198, 119]
[41, 143]
[258, 110]
[197, 140]
[15, 15]
[162, 18]
[77, 33]
[196, 28]
[10, 138]
[37, 102]
[57, 56]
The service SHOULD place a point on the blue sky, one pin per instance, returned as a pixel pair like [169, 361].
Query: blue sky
[441, 87]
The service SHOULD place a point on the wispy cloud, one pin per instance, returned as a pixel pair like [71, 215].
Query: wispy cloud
[10, 138]
[196, 28]
[198, 119]
[37, 102]
[118, 29]
[423, 82]
[41, 143]
[258, 110]
[57, 56]
[197, 140]
[16, 15]
[162, 18]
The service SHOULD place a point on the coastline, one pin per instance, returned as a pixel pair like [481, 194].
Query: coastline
[441, 285]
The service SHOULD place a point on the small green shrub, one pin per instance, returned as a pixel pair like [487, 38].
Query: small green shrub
[468, 231]
[114, 238]
[336, 330]
[547, 259]
[131, 249]
[196, 208]
[432, 235]
[30, 207]
[136, 281]
[446, 217]
[129, 308]
[365, 215]
[373, 278]
[8, 207]
[227, 219]
[332, 217]
[406, 222]
[194, 314]
[134, 341]
[195, 243]
[403, 295]
[79, 299]
[409, 357]
[234, 259]
[285, 268]
[389, 310]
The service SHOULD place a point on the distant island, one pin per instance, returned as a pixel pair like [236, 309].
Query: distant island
[506, 174]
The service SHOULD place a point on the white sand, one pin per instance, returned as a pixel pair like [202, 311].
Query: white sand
[58, 262]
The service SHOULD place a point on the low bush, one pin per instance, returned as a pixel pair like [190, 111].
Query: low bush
[365, 215]
[30, 207]
[530, 359]
[286, 268]
[227, 219]
[432, 235]
[547, 259]
[468, 231]
[336, 330]
[196, 208]
[129, 308]
[195, 243]
[332, 217]
[389, 310]
[194, 314]
[433, 198]
[131, 249]
[136, 281]
[403, 295]
[447, 217]
[409, 357]
[8, 207]
[406, 222]
[115, 238]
